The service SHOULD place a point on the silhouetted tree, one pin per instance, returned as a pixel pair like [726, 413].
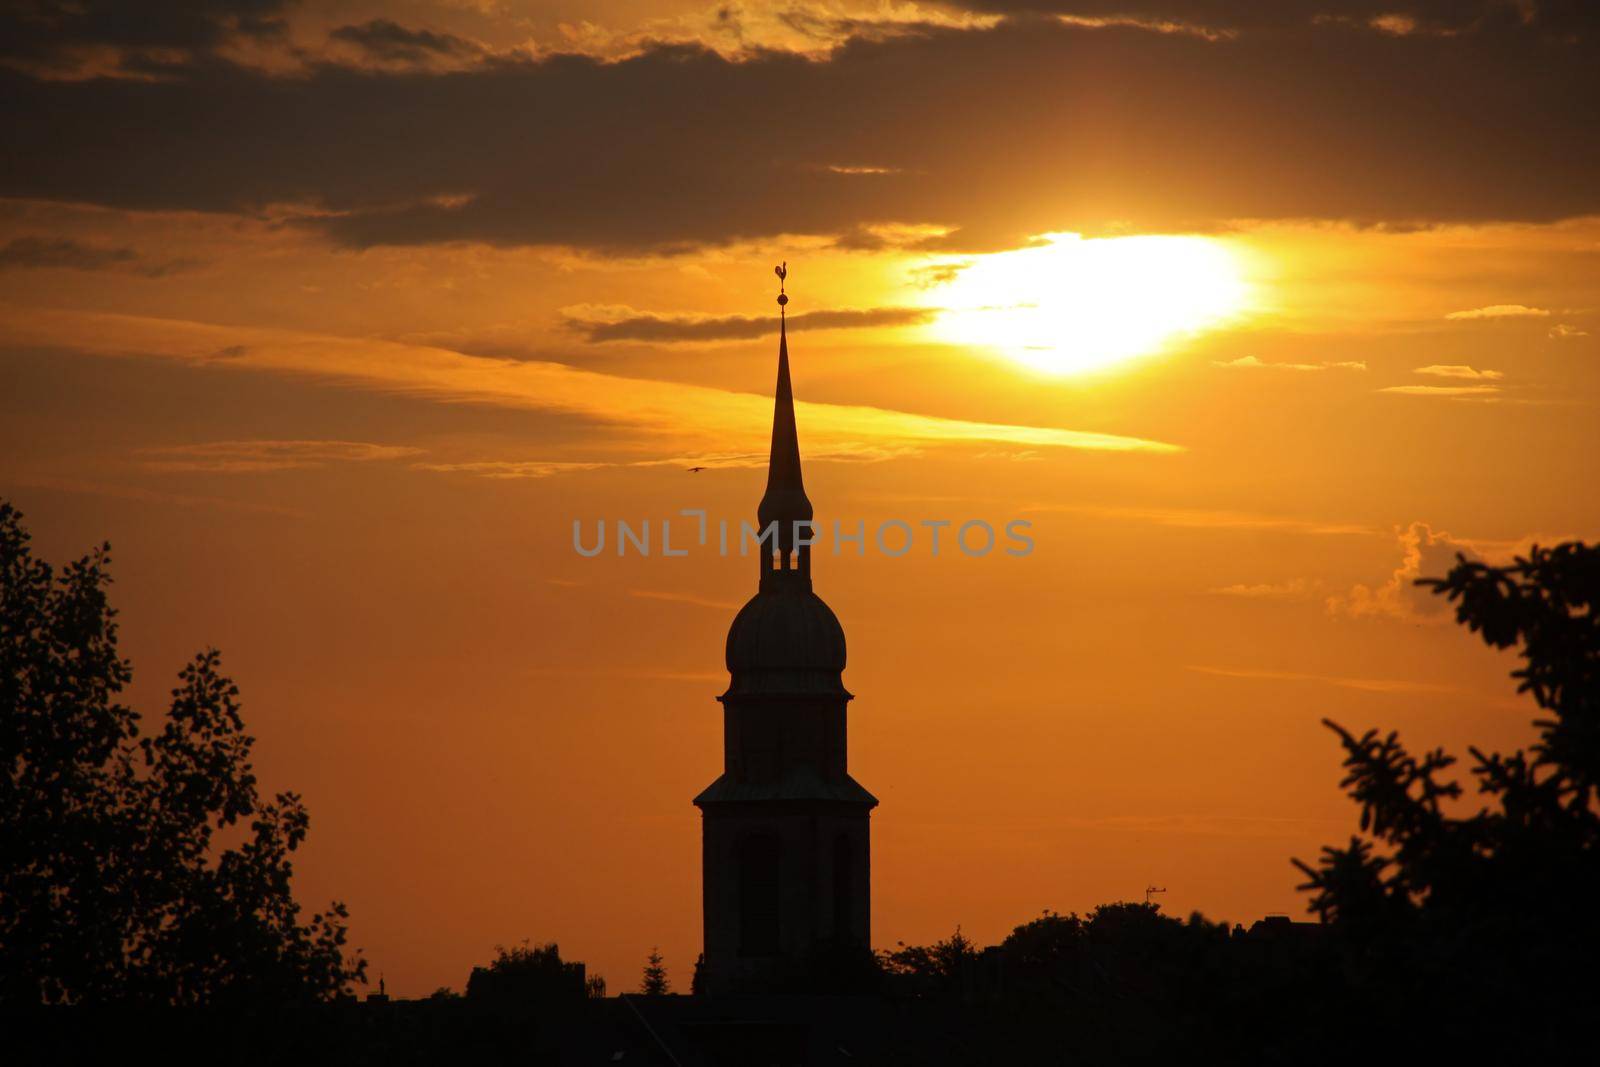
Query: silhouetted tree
[1120, 950]
[936, 968]
[529, 972]
[1489, 914]
[697, 981]
[595, 987]
[655, 982]
[110, 884]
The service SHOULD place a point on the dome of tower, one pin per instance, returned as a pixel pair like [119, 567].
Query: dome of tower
[786, 640]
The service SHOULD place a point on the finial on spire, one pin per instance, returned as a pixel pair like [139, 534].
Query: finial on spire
[785, 500]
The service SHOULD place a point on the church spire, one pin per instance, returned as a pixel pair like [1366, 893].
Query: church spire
[785, 501]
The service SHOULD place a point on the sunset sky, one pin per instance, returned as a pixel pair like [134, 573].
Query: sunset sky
[333, 317]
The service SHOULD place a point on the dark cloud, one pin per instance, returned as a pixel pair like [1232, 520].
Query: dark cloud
[40, 34]
[25, 253]
[741, 327]
[384, 39]
[994, 134]
[936, 274]
[1426, 16]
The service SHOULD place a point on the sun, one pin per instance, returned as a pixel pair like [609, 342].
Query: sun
[1073, 304]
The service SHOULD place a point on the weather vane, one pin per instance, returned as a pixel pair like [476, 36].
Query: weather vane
[782, 271]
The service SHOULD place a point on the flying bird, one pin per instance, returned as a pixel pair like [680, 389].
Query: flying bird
[696, 470]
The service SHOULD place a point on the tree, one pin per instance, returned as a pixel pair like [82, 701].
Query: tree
[111, 884]
[655, 982]
[1487, 913]
[937, 968]
[529, 972]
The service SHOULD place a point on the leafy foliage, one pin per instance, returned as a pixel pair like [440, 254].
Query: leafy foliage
[113, 887]
[937, 968]
[1491, 908]
[529, 972]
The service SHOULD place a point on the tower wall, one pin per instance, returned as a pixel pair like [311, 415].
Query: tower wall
[766, 937]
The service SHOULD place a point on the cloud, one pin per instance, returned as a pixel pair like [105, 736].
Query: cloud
[1500, 311]
[738, 30]
[838, 168]
[672, 410]
[1398, 18]
[129, 37]
[64, 253]
[1453, 392]
[152, 496]
[1561, 331]
[1294, 589]
[383, 45]
[611, 672]
[1424, 553]
[683, 598]
[1251, 362]
[1457, 370]
[987, 134]
[508, 470]
[1367, 685]
[1209, 519]
[1147, 24]
[936, 274]
[254, 457]
[624, 324]
[388, 40]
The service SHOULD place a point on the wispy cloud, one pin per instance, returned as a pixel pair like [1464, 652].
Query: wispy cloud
[152, 496]
[1252, 363]
[1207, 519]
[1500, 311]
[513, 469]
[1147, 24]
[1294, 589]
[670, 409]
[545, 468]
[600, 324]
[841, 168]
[388, 41]
[1457, 370]
[249, 457]
[1455, 392]
[1368, 685]
[684, 598]
[1561, 331]
[64, 253]
[634, 673]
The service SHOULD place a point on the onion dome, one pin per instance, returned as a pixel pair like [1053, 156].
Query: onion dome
[786, 640]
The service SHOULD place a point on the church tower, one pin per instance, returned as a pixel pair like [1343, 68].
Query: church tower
[784, 830]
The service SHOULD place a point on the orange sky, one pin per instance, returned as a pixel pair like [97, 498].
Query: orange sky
[334, 326]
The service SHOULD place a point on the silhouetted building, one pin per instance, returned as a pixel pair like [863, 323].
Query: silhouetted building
[785, 843]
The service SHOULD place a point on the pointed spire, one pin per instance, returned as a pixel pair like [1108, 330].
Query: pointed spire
[785, 501]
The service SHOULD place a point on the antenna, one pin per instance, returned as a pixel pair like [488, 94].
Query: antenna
[1153, 889]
